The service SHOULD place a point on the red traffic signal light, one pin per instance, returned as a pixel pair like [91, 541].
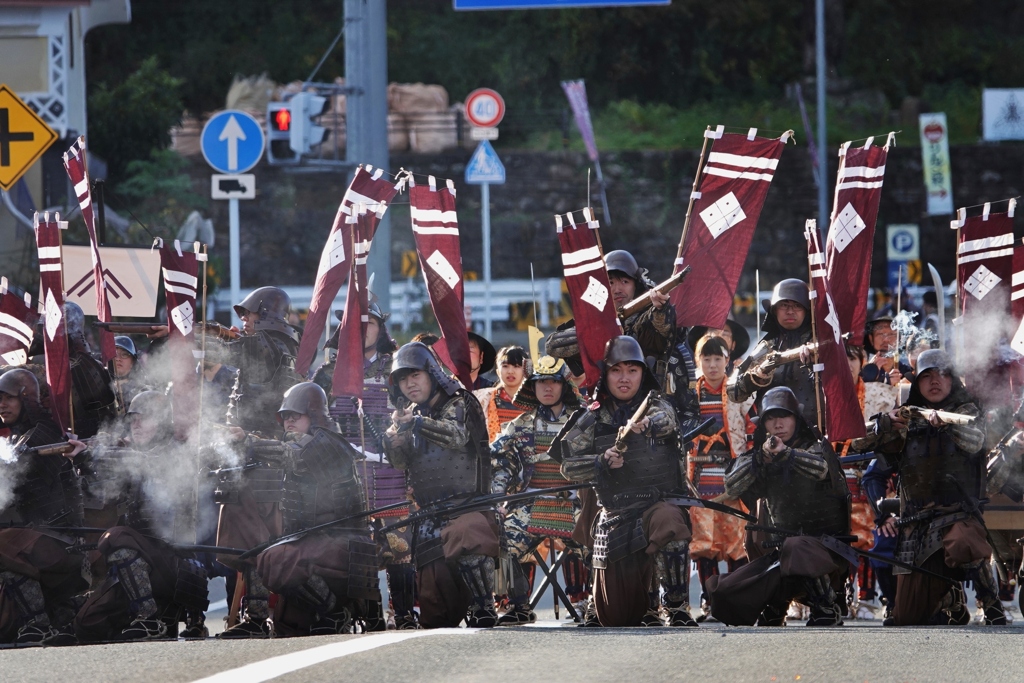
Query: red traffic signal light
[282, 120]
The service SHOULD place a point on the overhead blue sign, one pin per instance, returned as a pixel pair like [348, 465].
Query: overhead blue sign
[550, 4]
[232, 141]
[485, 166]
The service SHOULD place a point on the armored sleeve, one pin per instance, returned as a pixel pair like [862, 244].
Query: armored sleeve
[889, 439]
[662, 415]
[508, 453]
[399, 448]
[653, 328]
[741, 476]
[449, 429]
[809, 463]
[579, 461]
[744, 387]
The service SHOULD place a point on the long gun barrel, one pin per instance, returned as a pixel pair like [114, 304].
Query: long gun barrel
[777, 359]
[644, 300]
[916, 412]
[130, 328]
[62, 448]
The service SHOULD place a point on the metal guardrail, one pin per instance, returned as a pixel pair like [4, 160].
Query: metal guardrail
[408, 297]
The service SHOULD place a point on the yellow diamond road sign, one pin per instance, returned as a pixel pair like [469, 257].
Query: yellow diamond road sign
[23, 137]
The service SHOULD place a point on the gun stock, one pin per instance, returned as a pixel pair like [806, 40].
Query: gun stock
[644, 300]
[620, 438]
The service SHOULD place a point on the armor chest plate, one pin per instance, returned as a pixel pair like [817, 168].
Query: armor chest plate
[321, 483]
[646, 465]
[930, 455]
[438, 473]
[798, 503]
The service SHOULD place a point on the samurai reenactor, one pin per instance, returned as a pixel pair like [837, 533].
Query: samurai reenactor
[439, 437]
[92, 398]
[940, 461]
[787, 327]
[328, 578]
[128, 378]
[628, 444]
[40, 571]
[522, 462]
[795, 477]
[151, 586]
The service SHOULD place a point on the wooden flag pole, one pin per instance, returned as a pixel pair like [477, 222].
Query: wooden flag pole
[693, 191]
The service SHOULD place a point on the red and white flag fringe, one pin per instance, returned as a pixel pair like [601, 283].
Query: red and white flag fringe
[851, 232]
[371, 188]
[78, 172]
[727, 205]
[589, 290]
[843, 417]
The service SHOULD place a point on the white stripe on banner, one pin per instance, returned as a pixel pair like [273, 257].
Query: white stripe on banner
[817, 259]
[1017, 279]
[1004, 240]
[7, 326]
[580, 256]
[82, 188]
[180, 290]
[435, 231]
[1016, 295]
[862, 172]
[181, 278]
[585, 268]
[49, 252]
[713, 170]
[353, 197]
[17, 325]
[818, 272]
[982, 255]
[742, 161]
[433, 216]
[48, 267]
[858, 185]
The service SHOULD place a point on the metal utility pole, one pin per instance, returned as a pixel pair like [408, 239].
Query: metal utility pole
[366, 68]
[819, 54]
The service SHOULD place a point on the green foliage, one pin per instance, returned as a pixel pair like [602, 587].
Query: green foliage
[131, 120]
[160, 192]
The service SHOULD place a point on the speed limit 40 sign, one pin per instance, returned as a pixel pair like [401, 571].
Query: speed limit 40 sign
[485, 108]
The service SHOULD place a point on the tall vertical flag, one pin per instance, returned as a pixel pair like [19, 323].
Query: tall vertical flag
[1017, 299]
[589, 290]
[348, 369]
[368, 187]
[576, 93]
[435, 227]
[843, 417]
[17, 322]
[727, 204]
[984, 259]
[78, 172]
[851, 234]
[55, 338]
[181, 283]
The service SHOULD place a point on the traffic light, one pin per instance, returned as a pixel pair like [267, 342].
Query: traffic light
[279, 135]
[304, 132]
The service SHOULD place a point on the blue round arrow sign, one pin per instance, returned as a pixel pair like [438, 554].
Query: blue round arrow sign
[232, 141]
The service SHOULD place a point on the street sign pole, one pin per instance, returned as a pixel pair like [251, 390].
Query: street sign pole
[234, 240]
[485, 219]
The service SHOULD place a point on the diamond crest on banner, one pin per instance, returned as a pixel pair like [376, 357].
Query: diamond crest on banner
[442, 267]
[16, 357]
[183, 316]
[981, 282]
[833, 320]
[334, 253]
[53, 315]
[723, 214]
[847, 225]
[596, 294]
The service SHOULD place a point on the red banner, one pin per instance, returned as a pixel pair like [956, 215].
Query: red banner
[181, 283]
[368, 187]
[17, 322]
[843, 417]
[589, 290]
[984, 260]
[75, 164]
[851, 232]
[348, 370]
[435, 227]
[1017, 299]
[728, 202]
[55, 338]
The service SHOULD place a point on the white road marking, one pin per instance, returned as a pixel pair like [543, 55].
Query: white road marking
[266, 669]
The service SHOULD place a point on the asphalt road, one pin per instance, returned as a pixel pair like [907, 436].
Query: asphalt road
[860, 651]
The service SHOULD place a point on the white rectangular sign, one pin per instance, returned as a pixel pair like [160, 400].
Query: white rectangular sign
[938, 181]
[1002, 114]
[233, 186]
[132, 276]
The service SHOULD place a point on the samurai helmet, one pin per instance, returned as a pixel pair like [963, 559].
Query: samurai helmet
[74, 323]
[781, 399]
[545, 367]
[272, 304]
[418, 356]
[21, 383]
[624, 262]
[150, 404]
[128, 345]
[309, 399]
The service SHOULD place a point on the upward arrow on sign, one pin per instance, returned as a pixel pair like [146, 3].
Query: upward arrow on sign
[232, 132]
